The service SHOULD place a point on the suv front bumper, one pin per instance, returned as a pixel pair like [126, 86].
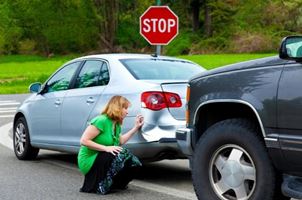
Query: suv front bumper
[184, 141]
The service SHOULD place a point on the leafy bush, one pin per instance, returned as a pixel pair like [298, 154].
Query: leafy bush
[27, 47]
[128, 35]
[210, 45]
[247, 42]
[180, 45]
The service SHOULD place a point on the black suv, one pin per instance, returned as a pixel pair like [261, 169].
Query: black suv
[244, 128]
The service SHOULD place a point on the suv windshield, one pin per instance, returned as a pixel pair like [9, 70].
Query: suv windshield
[161, 69]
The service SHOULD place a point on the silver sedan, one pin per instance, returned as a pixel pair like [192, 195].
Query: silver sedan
[56, 114]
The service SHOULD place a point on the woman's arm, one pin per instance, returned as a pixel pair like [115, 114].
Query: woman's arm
[139, 121]
[87, 140]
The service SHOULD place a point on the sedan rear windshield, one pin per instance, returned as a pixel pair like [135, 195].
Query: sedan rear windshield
[161, 69]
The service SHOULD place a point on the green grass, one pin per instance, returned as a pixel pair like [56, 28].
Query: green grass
[217, 60]
[17, 72]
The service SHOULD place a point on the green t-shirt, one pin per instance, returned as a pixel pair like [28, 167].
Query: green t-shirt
[87, 156]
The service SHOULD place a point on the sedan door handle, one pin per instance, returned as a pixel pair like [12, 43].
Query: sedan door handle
[90, 100]
[58, 102]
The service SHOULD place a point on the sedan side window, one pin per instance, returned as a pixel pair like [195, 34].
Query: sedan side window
[104, 75]
[61, 80]
[92, 74]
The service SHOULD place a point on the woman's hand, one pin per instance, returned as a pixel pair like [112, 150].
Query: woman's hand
[114, 150]
[139, 121]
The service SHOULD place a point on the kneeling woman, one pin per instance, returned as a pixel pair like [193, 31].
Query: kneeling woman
[105, 164]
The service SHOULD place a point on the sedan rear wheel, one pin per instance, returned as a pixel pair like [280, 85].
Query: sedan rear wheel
[22, 147]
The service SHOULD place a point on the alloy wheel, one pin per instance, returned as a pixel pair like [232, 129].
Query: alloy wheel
[232, 173]
[20, 138]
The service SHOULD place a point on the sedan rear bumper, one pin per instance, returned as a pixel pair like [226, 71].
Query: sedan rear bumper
[165, 148]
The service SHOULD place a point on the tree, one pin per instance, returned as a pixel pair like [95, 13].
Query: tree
[57, 26]
[107, 11]
[207, 19]
[195, 6]
[10, 32]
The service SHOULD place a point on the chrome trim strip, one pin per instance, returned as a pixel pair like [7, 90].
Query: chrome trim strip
[232, 101]
[271, 139]
[272, 143]
[292, 149]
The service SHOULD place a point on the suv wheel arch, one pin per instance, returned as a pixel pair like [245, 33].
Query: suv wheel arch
[210, 112]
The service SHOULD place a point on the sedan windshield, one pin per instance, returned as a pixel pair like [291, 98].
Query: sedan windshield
[161, 69]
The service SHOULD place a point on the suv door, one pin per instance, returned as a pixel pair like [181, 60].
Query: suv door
[45, 111]
[80, 101]
[290, 113]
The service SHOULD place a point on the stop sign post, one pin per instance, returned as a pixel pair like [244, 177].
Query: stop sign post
[159, 25]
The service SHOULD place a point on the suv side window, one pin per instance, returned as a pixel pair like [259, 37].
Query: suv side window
[61, 80]
[93, 73]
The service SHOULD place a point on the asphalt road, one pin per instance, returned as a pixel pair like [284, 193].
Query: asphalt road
[52, 176]
[55, 175]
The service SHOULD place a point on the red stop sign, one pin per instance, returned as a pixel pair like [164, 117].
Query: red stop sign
[159, 25]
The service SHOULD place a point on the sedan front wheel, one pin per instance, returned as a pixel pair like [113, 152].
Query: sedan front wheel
[22, 147]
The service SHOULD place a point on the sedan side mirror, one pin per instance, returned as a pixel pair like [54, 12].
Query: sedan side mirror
[291, 48]
[35, 87]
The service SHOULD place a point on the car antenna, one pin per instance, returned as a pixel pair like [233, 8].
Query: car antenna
[154, 55]
[157, 52]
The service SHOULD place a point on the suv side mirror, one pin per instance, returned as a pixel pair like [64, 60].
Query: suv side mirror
[35, 87]
[291, 48]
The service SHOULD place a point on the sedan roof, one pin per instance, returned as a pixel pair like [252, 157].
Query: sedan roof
[118, 56]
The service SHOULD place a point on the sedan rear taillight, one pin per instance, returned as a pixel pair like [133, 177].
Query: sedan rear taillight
[159, 100]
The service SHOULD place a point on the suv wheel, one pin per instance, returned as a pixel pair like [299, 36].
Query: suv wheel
[22, 147]
[232, 163]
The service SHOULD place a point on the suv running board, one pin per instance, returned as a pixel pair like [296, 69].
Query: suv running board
[292, 186]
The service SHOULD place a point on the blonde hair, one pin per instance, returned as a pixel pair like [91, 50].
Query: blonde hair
[114, 108]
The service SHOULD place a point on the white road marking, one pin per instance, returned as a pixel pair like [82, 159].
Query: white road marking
[8, 108]
[8, 142]
[163, 189]
[9, 103]
[5, 140]
[7, 111]
[7, 116]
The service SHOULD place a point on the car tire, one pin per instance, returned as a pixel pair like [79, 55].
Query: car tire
[21, 140]
[231, 162]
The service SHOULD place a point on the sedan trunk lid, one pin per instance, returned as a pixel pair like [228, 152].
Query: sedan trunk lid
[180, 89]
